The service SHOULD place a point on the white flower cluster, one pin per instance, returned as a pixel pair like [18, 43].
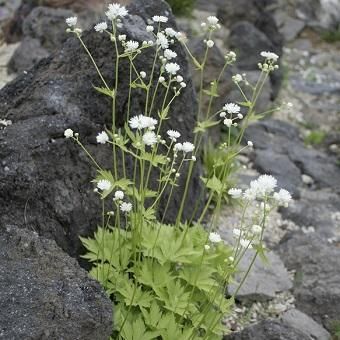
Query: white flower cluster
[263, 188]
[234, 113]
[142, 122]
[212, 24]
[116, 11]
[269, 64]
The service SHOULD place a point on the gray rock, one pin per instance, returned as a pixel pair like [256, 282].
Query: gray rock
[248, 42]
[315, 209]
[29, 53]
[304, 323]
[317, 278]
[268, 329]
[264, 280]
[45, 294]
[45, 179]
[280, 151]
[291, 28]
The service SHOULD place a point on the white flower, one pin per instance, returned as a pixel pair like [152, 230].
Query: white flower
[237, 78]
[266, 184]
[256, 229]
[101, 27]
[250, 194]
[72, 21]
[159, 18]
[283, 197]
[235, 193]
[115, 11]
[161, 79]
[207, 247]
[142, 122]
[193, 158]
[245, 243]
[214, 238]
[149, 138]
[68, 133]
[228, 122]
[188, 147]
[178, 147]
[250, 143]
[162, 40]
[270, 55]
[149, 28]
[210, 43]
[126, 207]
[104, 184]
[131, 46]
[183, 84]
[179, 79]
[172, 68]
[170, 32]
[102, 137]
[168, 54]
[122, 37]
[237, 232]
[223, 114]
[119, 195]
[212, 20]
[240, 116]
[231, 108]
[142, 74]
[173, 135]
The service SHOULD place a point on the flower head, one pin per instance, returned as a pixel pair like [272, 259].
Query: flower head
[68, 133]
[159, 18]
[178, 147]
[142, 122]
[72, 21]
[149, 28]
[149, 138]
[232, 108]
[102, 137]
[270, 55]
[283, 197]
[115, 11]
[172, 68]
[188, 147]
[168, 54]
[162, 40]
[125, 207]
[212, 20]
[235, 193]
[104, 184]
[228, 122]
[214, 237]
[170, 32]
[131, 46]
[119, 195]
[266, 183]
[173, 135]
[101, 27]
[210, 43]
[245, 243]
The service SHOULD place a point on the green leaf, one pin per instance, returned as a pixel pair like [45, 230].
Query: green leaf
[106, 91]
[245, 104]
[213, 184]
[134, 295]
[202, 126]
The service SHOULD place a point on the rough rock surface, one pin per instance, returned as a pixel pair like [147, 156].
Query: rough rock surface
[45, 294]
[316, 284]
[304, 323]
[45, 179]
[268, 329]
[278, 146]
[264, 280]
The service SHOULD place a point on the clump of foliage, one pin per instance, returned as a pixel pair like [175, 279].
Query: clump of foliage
[331, 36]
[169, 281]
[182, 7]
[315, 137]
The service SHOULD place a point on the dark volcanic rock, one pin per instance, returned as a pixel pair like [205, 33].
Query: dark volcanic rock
[44, 294]
[268, 329]
[45, 179]
[317, 278]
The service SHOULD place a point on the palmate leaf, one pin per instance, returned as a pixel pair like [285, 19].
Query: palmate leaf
[136, 330]
[170, 330]
[152, 316]
[197, 278]
[213, 184]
